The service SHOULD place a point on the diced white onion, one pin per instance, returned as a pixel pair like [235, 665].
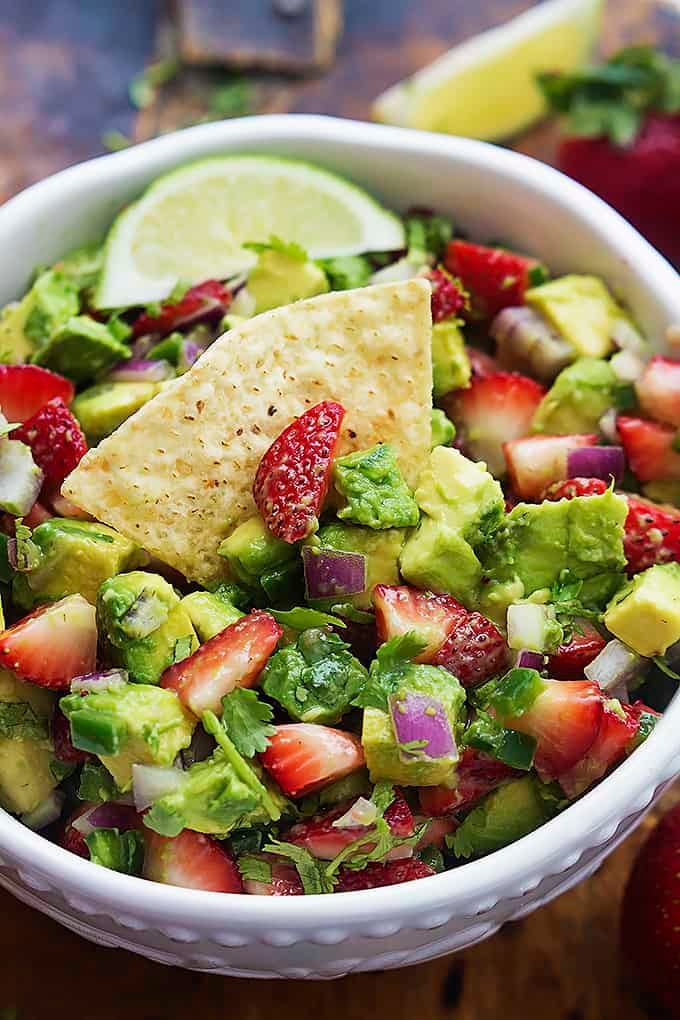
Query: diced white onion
[626, 337]
[607, 425]
[243, 304]
[151, 782]
[362, 813]
[397, 272]
[527, 623]
[626, 366]
[616, 664]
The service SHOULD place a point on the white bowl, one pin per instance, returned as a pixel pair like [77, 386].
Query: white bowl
[492, 193]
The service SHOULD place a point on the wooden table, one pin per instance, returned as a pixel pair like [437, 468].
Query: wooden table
[64, 70]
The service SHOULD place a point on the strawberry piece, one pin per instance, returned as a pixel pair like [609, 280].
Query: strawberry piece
[448, 296]
[650, 921]
[24, 389]
[233, 658]
[570, 660]
[494, 277]
[651, 535]
[476, 775]
[205, 299]
[437, 829]
[399, 609]
[658, 390]
[53, 644]
[564, 720]
[375, 875]
[285, 879]
[474, 650]
[536, 462]
[293, 476]
[492, 411]
[71, 838]
[574, 487]
[649, 448]
[56, 441]
[326, 841]
[191, 860]
[38, 514]
[609, 747]
[61, 740]
[301, 757]
[481, 363]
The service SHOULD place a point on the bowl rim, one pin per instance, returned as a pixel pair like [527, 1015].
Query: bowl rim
[477, 885]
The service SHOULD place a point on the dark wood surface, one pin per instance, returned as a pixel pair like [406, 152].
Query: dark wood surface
[65, 66]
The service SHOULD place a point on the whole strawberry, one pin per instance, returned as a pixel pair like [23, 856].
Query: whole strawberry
[623, 138]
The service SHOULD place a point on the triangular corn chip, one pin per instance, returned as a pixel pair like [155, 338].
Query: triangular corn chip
[177, 476]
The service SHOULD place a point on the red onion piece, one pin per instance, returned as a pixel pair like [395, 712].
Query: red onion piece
[189, 355]
[420, 717]
[105, 680]
[332, 572]
[530, 660]
[112, 814]
[141, 370]
[596, 462]
[151, 782]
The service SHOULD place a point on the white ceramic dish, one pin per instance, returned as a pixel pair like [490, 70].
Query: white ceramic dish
[492, 193]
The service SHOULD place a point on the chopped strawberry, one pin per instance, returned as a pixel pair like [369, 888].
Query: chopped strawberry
[570, 660]
[293, 476]
[301, 757]
[326, 841]
[564, 720]
[56, 441]
[481, 363]
[610, 745]
[658, 390]
[285, 880]
[53, 644]
[190, 860]
[494, 277]
[574, 487]
[24, 389]
[536, 462]
[375, 875]
[649, 448]
[436, 829]
[651, 534]
[71, 838]
[208, 298]
[474, 650]
[38, 514]
[476, 775]
[400, 608]
[492, 411]
[448, 296]
[233, 658]
[61, 740]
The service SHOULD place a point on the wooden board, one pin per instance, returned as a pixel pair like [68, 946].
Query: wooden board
[64, 69]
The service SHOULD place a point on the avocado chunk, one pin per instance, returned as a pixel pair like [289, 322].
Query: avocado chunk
[443, 429]
[146, 627]
[82, 266]
[316, 679]
[645, 614]
[385, 759]
[381, 549]
[281, 277]
[15, 346]
[134, 724]
[580, 308]
[505, 815]
[374, 489]
[53, 299]
[450, 363]
[252, 552]
[209, 614]
[25, 748]
[103, 407]
[20, 477]
[577, 399]
[437, 558]
[81, 348]
[75, 556]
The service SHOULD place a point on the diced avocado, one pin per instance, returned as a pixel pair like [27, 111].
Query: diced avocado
[450, 363]
[534, 627]
[83, 266]
[15, 346]
[209, 614]
[81, 349]
[150, 726]
[251, 551]
[147, 628]
[279, 279]
[384, 757]
[666, 491]
[462, 494]
[76, 556]
[20, 477]
[102, 408]
[374, 489]
[25, 748]
[53, 300]
[645, 614]
[505, 815]
[581, 309]
[437, 558]
[346, 272]
[381, 549]
[577, 399]
[443, 429]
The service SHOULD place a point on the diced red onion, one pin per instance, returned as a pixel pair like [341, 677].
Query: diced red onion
[530, 660]
[111, 814]
[151, 782]
[626, 337]
[94, 683]
[608, 427]
[596, 462]
[420, 717]
[333, 572]
[362, 813]
[141, 370]
[526, 342]
[189, 354]
[47, 812]
[627, 367]
[616, 664]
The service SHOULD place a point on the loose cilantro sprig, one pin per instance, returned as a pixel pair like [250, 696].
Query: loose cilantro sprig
[303, 618]
[388, 669]
[247, 720]
[313, 873]
[254, 869]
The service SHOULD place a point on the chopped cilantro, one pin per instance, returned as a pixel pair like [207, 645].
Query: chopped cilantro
[247, 720]
[61, 769]
[18, 721]
[119, 851]
[254, 869]
[349, 612]
[302, 618]
[509, 746]
[623, 396]
[314, 874]
[291, 249]
[97, 784]
[346, 272]
[388, 669]
[427, 235]
[538, 275]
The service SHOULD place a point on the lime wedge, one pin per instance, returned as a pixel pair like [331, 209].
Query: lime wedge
[191, 224]
[485, 88]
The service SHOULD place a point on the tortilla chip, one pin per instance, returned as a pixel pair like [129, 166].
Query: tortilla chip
[177, 476]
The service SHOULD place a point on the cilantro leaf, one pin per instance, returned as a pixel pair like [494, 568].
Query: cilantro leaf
[247, 720]
[388, 669]
[254, 868]
[61, 770]
[347, 272]
[349, 612]
[303, 618]
[291, 249]
[427, 235]
[509, 746]
[565, 596]
[18, 721]
[97, 784]
[313, 873]
[383, 795]
[119, 851]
